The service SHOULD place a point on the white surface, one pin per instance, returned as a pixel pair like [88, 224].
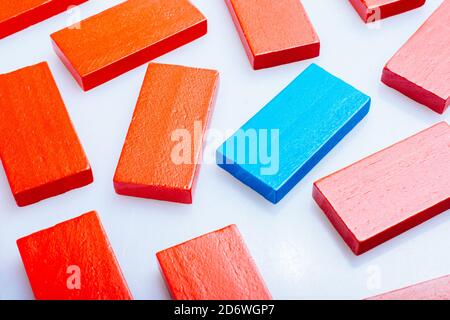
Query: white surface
[298, 252]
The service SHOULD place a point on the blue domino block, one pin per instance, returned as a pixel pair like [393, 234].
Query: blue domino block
[276, 148]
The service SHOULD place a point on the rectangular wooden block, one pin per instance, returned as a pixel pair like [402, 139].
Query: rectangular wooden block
[125, 37]
[436, 289]
[16, 15]
[374, 10]
[161, 155]
[73, 261]
[215, 266]
[276, 148]
[39, 147]
[274, 32]
[389, 192]
[421, 68]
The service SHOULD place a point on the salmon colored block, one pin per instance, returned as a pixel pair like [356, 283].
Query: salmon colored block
[437, 289]
[215, 266]
[421, 68]
[16, 15]
[163, 146]
[126, 36]
[73, 261]
[274, 32]
[374, 10]
[389, 192]
[39, 147]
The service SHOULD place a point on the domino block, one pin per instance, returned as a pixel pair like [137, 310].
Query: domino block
[125, 37]
[421, 68]
[215, 266]
[374, 10]
[389, 192]
[276, 148]
[436, 289]
[274, 32]
[18, 15]
[161, 155]
[73, 261]
[39, 147]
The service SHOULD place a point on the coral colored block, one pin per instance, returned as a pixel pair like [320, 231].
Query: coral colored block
[374, 10]
[16, 15]
[421, 68]
[126, 36]
[274, 32]
[215, 266]
[73, 261]
[389, 192]
[39, 147]
[276, 148]
[436, 289]
[161, 155]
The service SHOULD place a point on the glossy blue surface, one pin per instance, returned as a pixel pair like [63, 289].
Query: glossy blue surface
[276, 148]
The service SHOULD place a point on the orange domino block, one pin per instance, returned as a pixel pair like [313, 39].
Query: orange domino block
[73, 261]
[374, 10]
[215, 266]
[274, 32]
[126, 36]
[163, 146]
[436, 289]
[16, 15]
[39, 147]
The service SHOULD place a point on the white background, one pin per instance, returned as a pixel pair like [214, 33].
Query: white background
[298, 252]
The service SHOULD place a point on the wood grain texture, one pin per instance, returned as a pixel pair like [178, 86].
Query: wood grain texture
[436, 289]
[274, 32]
[390, 191]
[215, 266]
[16, 15]
[374, 10]
[162, 151]
[39, 147]
[421, 68]
[126, 36]
[55, 258]
[276, 148]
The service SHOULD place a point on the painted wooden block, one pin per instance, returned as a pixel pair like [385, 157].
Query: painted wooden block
[436, 289]
[73, 261]
[276, 148]
[374, 10]
[161, 155]
[39, 147]
[389, 192]
[126, 36]
[215, 266]
[17, 15]
[421, 68]
[274, 32]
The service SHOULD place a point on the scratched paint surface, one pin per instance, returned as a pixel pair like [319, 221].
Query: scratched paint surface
[296, 129]
[73, 261]
[215, 266]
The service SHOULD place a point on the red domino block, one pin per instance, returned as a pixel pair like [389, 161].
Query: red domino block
[39, 147]
[126, 36]
[374, 10]
[391, 191]
[73, 261]
[274, 32]
[421, 68]
[16, 15]
[163, 146]
[437, 289]
[215, 266]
